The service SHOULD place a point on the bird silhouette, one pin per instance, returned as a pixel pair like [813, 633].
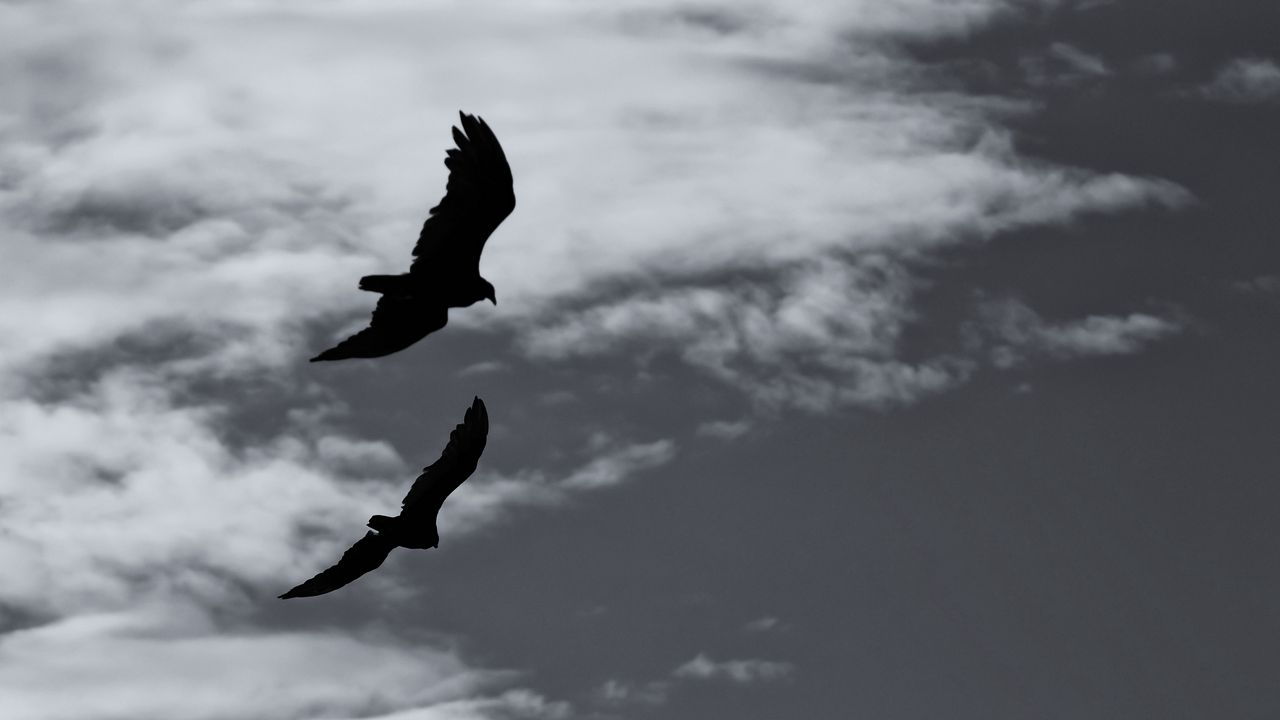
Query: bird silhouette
[415, 526]
[446, 270]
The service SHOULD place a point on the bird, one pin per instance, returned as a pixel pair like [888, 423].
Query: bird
[445, 273]
[415, 526]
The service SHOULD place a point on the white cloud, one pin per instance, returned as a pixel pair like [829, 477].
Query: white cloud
[701, 668]
[1020, 330]
[763, 624]
[1155, 64]
[486, 367]
[234, 194]
[1063, 64]
[119, 494]
[140, 540]
[489, 496]
[1262, 285]
[614, 467]
[172, 662]
[724, 429]
[618, 692]
[517, 704]
[742, 672]
[1245, 80]
[824, 336]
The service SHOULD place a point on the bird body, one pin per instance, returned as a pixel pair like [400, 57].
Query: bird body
[458, 294]
[445, 272]
[418, 534]
[415, 526]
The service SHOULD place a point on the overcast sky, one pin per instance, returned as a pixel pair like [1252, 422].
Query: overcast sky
[882, 359]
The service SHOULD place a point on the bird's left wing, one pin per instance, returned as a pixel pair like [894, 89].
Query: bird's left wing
[367, 554]
[478, 197]
[397, 323]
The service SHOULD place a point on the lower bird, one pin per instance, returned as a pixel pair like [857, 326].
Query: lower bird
[415, 526]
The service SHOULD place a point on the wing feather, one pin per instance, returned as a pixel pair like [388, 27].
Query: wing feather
[479, 195]
[456, 463]
[367, 554]
[397, 323]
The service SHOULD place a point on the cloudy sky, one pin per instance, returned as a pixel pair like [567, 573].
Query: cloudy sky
[883, 359]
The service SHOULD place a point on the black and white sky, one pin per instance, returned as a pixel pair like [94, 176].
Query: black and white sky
[883, 359]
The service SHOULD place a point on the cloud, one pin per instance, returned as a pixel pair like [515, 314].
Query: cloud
[1063, 64]
[791, 279]
[724, 429]
[616, 465]
[763, 624]
[1245, 80]
[1154, 64]
[121, 494]
[825, 335]
[701, 668]
[517, 704]
[486, 367]
[230, 192]
[1262, 288]
[139, 541]
[488, 497]
[742, 672]
[1262, 285]
[172, 662]
[1020, 331]
[618, 692]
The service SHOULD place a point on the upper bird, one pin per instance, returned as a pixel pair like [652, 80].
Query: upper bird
[415, 526]
[446, 269]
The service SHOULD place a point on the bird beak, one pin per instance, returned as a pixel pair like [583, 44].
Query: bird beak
[493, 299]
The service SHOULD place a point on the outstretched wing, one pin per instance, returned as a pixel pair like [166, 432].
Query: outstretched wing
[397, 323]
[456, 463]
[367, 554]
[478, 197]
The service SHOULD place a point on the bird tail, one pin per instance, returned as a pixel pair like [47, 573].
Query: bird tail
[382, 523]
[383, 283]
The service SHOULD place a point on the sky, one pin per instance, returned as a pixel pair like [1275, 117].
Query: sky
[884, 359]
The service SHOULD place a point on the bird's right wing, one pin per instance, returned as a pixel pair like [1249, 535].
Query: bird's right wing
[397, 323]
[456, 463]
[367, 554]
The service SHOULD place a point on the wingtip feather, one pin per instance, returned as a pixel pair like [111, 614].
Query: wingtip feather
[479, 416]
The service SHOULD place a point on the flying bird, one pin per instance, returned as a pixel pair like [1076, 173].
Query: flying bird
[445, 272]
[415, 526]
